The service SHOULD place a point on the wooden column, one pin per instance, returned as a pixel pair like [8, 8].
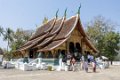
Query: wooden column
[82, 45]
[67, 46]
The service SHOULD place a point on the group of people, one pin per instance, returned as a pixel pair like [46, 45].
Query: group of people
[90, 61]
[78, 61]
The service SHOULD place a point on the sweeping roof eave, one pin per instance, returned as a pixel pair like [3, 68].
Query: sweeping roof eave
[87, 39]
[44, 28]
[90, 45]
[33, 42]
[53, 45]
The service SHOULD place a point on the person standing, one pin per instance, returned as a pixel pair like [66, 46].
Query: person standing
[94, 65]
[68, 60]
[86, 66]
[73, 61]
[89, 58]
[60, 61]
[82, 62]
[86, 63]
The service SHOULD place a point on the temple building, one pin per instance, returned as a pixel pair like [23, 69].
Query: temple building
[58, 34]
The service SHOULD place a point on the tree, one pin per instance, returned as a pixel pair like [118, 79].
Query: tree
[101, 32]
[20, 37]
[118, 56]
[1, 51]
[8, 36]
[110, 41]
[1, 30]
[98, 27]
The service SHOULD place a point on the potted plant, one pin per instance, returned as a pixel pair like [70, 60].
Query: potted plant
[49, 68]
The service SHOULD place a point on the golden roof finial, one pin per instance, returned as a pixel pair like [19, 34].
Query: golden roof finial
[79, 10]
[65, 13]
[57, 13]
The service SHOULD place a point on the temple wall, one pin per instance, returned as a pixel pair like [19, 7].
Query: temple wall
[75, 37]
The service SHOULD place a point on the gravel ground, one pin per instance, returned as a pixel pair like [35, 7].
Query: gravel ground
[113, 73]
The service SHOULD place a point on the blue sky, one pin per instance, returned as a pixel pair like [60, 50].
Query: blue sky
[28, 13]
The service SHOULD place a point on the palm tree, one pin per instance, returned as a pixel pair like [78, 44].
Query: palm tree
[1, 31]
[8, 36]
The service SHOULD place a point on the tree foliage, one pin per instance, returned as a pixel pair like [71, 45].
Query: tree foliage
[1, 30]
[8, 36]
[103, 35]
[20, 37]
[15, 39]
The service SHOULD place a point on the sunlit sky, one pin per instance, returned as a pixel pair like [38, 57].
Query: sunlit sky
[27, 14]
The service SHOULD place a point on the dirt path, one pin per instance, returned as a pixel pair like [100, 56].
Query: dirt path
[113, 73]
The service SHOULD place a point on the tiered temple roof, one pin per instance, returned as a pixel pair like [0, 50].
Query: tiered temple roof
[54, 33]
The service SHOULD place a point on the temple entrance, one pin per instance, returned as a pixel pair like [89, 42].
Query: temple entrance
[71, 47]
[43, 55]
[49, 54]
[78, 47]
[31, 53]
[63, 53]
[79, 52]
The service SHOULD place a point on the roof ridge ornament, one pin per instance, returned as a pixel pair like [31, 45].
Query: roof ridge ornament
[57, 13]
[79, 9]
[65, 13]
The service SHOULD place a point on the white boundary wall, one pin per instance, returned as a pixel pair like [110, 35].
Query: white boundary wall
[116, 63]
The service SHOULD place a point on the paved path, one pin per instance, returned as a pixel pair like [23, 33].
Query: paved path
[113, 73]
